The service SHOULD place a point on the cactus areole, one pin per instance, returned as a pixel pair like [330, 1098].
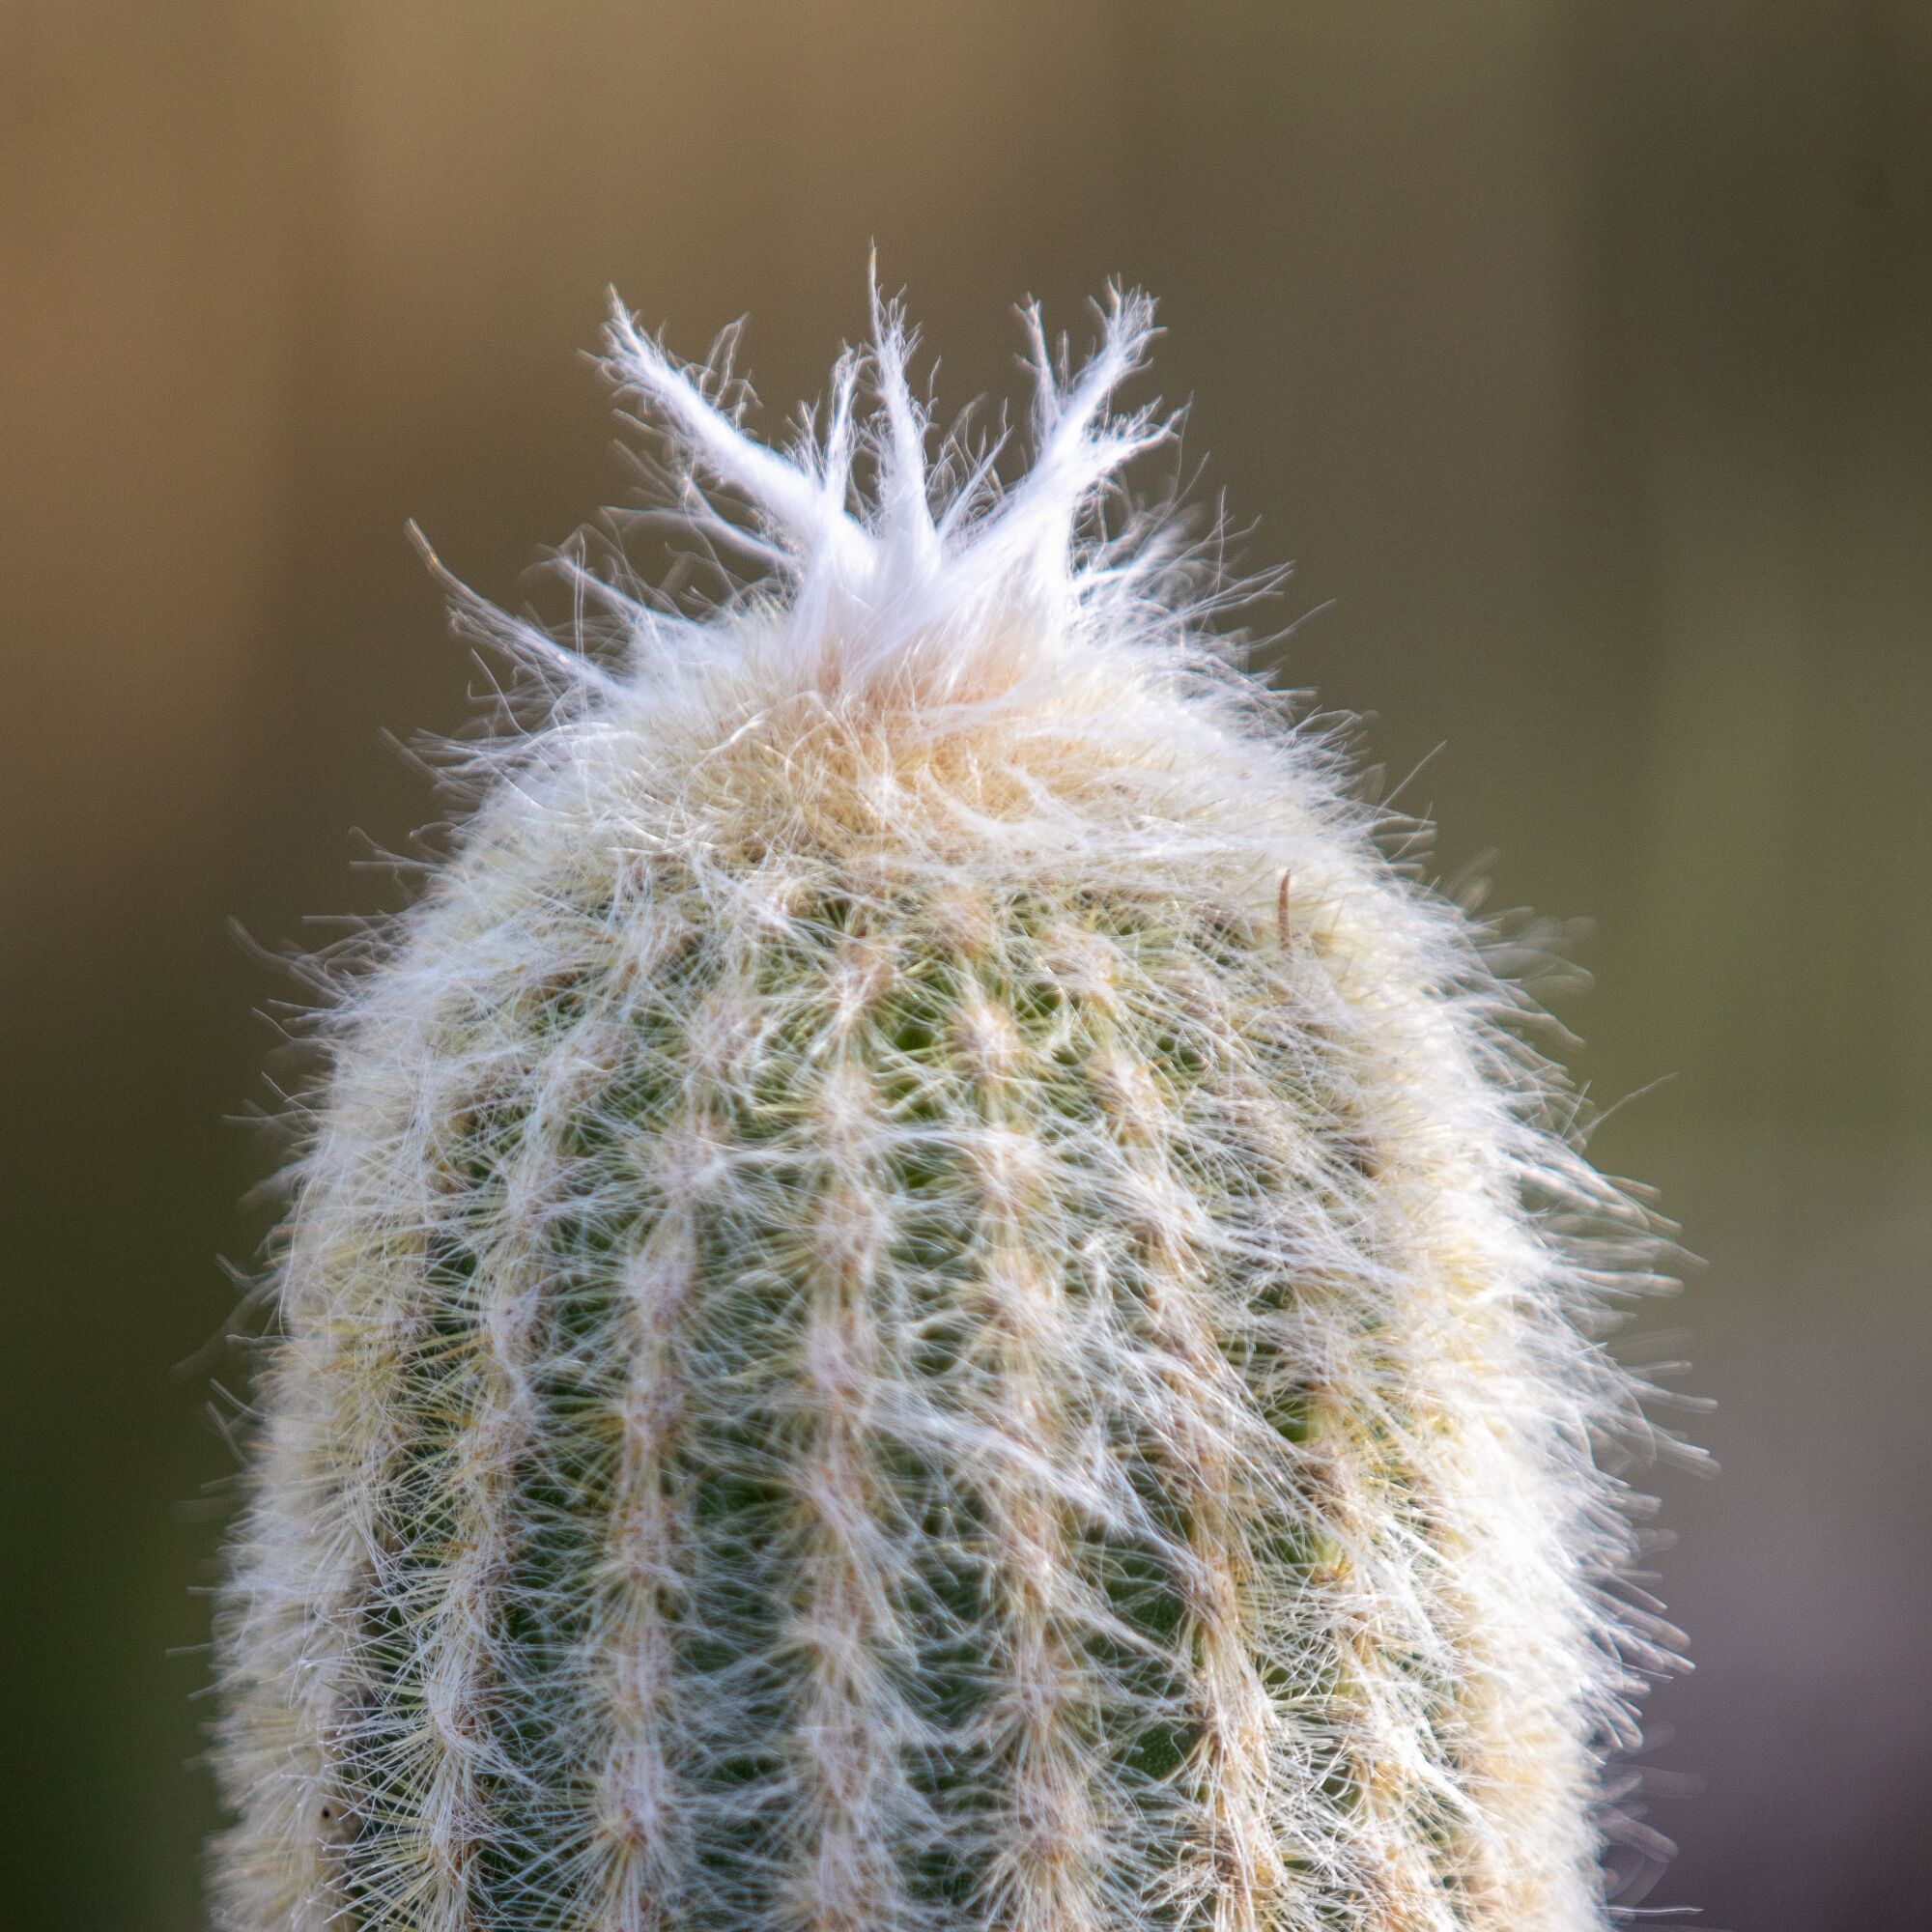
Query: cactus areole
[925, 1290]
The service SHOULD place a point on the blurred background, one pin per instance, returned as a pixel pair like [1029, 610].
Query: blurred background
[1579, 354]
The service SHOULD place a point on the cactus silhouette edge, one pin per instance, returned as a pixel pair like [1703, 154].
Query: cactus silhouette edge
[923, 1291]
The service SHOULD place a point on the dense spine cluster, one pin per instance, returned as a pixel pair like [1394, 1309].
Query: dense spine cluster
[924, 1293]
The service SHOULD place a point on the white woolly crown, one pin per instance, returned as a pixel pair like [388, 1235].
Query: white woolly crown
[902, 589]
[890, 570]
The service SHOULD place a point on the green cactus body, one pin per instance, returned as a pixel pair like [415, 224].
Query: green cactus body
[924, 1295]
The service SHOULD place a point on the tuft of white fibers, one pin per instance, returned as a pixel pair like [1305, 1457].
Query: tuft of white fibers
[926, 1295]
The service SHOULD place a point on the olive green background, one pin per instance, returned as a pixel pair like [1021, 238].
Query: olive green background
[1579, 351]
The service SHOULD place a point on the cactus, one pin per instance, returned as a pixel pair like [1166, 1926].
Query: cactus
[925, 1291]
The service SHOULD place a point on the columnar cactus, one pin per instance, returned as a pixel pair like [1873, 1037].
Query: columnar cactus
[925, 1293]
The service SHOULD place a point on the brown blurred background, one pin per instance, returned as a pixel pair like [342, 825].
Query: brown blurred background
[1580, 351]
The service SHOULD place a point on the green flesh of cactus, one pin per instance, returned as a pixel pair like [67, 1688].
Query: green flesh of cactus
[919, 1307]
